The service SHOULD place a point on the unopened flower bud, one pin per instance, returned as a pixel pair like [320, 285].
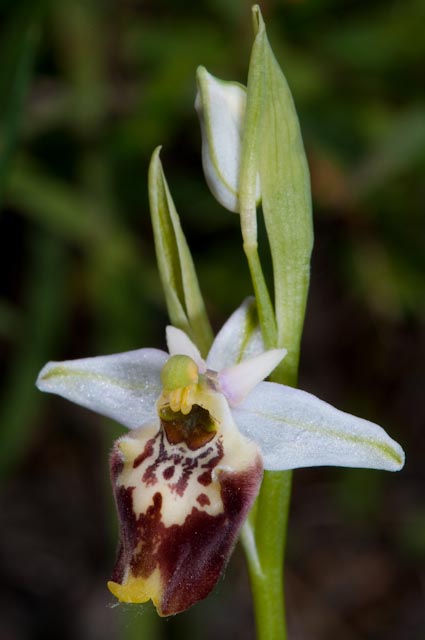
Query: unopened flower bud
[221, 109]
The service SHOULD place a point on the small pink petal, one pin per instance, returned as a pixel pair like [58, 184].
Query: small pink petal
[237, 382]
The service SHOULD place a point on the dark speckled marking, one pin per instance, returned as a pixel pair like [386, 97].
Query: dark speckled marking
[168, 473]
[179, 460]
[205, 478]
[146, 453]
[191, 556]
[203, 499]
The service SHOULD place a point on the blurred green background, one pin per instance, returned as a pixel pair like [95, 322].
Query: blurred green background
[87, 90]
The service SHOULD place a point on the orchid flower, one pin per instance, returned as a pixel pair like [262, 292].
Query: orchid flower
[187, 474]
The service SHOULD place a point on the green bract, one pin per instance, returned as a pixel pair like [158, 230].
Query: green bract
[182, 294]
[273, 145]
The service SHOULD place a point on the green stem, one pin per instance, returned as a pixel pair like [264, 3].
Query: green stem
[264, 305]
[264, 534]
[266, 564]
[264, 540]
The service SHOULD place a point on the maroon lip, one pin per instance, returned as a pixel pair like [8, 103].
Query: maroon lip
[190, 556]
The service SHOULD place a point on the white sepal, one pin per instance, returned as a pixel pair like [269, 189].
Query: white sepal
[221, 109]
[295, 429]
[123, 386]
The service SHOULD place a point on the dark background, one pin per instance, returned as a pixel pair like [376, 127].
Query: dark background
[87, 90]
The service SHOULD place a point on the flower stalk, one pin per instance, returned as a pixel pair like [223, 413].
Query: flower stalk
[264, 540]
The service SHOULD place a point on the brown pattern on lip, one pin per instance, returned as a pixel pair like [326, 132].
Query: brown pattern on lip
[181, 506]
[175, 458]
[189, 556]
[206, 477]
[146, 453]
[203, 499]
[168, 473]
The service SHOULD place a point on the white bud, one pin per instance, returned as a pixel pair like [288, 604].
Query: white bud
[221, 109]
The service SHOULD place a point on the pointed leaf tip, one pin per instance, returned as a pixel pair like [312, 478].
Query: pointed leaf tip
[185, 304]
[257, 18]
[238, 381]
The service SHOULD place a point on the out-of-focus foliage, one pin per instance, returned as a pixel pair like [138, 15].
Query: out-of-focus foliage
[87, 90]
